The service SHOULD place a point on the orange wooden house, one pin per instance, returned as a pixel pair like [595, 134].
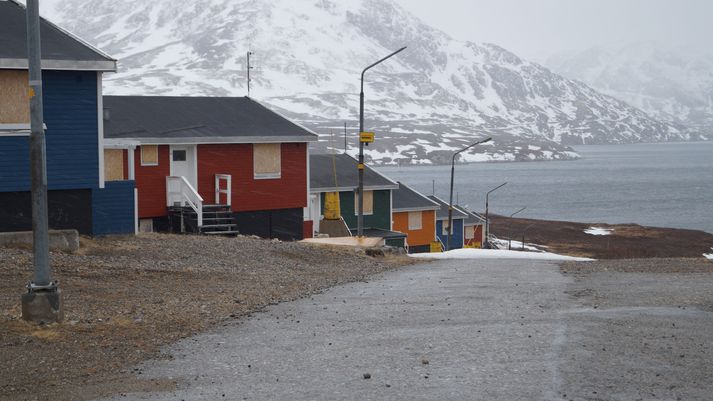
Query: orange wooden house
[414, 215]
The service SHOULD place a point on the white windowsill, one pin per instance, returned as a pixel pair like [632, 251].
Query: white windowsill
[267, 176]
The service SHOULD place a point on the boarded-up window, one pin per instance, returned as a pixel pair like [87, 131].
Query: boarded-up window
[445, 228]
[414, 220]
[149, 155]
[266, 160]
[368, 203]
[113, 165]
[15, 98]
[469, 232]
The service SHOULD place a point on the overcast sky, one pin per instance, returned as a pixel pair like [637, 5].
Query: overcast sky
[537, 29]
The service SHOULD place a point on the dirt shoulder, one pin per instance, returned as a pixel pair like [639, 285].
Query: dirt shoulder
[126, 297]
[640, 329]
[626, 241]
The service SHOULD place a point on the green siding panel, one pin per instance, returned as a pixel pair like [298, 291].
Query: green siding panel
[381, 218]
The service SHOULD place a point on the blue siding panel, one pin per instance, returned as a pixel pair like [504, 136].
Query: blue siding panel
[456, 238]
[14, 164]
[113, 208]
[70, 113]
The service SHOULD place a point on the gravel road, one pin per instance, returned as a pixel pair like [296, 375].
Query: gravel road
[127, 297]
[454, 330]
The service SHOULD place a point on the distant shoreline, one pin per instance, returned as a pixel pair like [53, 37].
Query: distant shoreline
[624, 241]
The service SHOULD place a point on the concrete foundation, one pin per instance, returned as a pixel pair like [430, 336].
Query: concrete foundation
[59, 240]
[43, 307]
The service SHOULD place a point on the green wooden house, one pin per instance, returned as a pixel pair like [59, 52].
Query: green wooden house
[338, 173]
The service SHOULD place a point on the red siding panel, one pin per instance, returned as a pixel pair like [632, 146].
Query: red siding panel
[151, 183]
[307, 229]
[249, 194]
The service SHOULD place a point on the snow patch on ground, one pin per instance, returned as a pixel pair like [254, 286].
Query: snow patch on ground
[598, 231]
[496, 254]
[708, 256]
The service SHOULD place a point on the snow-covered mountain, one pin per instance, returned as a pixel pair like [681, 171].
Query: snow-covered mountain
[437, 96]
[674, 85]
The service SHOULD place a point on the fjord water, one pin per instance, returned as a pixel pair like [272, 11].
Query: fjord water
[664, 185]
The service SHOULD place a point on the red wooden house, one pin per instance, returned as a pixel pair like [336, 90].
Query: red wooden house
[210, 164]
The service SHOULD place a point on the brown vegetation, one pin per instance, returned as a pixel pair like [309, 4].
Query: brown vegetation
[626, 241]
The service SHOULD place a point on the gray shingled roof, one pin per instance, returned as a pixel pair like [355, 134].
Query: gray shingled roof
[172, 120]
[60, 49]
[407, 199]
[473, 218]
[321, 174]
[442, 212]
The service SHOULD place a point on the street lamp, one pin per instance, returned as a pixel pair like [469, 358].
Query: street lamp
[360, 166]
[43, 301]
[450, 201]
[510, 227]
[487, 221]
[523, 235]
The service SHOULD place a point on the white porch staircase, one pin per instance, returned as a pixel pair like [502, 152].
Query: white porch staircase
[188, 214]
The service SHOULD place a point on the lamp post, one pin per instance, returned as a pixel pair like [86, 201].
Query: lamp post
[43, 301]
[510, 227]
[450, 201]
[487, 221]
[360, 166]
[523, 235]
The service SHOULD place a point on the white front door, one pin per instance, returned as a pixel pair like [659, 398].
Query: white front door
[184, 162]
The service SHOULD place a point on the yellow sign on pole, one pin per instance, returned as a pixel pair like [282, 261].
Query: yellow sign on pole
[366, 137]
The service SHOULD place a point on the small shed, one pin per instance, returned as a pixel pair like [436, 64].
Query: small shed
[415, 215]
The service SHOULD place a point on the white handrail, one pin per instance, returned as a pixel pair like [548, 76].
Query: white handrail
[228, 180]
[179, 190]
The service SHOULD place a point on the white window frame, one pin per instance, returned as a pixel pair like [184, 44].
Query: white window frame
[356, 204]
[465, 233]
[143, 163]
[420, 220]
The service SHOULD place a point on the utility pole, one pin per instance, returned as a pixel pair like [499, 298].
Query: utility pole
[360, 165]
[43, 300]
[249, 68]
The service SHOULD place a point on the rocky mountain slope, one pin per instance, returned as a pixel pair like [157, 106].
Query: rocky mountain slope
[673, 85]
[437, 96]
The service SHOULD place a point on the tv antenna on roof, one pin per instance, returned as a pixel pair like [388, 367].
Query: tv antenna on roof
[249, 68]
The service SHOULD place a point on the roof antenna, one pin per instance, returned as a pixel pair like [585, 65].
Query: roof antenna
[249, 68]
[433, 187]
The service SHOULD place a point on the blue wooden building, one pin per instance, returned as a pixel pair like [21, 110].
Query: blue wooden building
[457, 233]
[79, 196]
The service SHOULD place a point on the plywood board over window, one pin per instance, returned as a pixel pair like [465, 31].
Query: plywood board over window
[469, 232]
[113, 165]
[368, 202]
[415, 220]
[149, 155]
[14, 97]
[266, 160]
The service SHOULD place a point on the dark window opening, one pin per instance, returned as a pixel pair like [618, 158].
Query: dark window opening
[179, 155]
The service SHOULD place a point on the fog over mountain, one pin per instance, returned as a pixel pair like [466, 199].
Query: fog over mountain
[674, 85]
[437, 96]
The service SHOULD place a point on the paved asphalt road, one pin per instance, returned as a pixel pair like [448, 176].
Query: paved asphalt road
[451, 330]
